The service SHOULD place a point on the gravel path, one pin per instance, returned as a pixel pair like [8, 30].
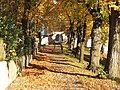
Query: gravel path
[55, 71]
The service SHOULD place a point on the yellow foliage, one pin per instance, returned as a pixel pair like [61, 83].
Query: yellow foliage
[89, 23]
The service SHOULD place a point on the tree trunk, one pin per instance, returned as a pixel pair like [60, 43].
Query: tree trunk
[96, 37]
[70, 34]
[114, 45]
[76, 47]
[118, 31]
[95, 49]
[82, 47]
[119, 48]
[24, 28]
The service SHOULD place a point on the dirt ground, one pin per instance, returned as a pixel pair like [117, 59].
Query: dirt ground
[52, 70]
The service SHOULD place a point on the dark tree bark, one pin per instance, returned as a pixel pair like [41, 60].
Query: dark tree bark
[118, 25]
[24, 27]
[75, 49]
[114, 45]
[78, 40]
[70, 34]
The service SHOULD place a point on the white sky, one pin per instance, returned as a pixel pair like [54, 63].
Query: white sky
[55, 2]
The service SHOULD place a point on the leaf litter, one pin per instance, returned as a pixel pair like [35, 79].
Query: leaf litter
[53, 71]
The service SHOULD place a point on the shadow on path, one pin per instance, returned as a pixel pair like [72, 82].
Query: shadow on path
[56, 60]
[63, 63]
[45, 68]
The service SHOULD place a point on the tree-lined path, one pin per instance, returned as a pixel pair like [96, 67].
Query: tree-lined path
[53, 70]
[22, 23]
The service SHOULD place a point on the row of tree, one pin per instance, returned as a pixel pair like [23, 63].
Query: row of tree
[21, 20]
[86, 17]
